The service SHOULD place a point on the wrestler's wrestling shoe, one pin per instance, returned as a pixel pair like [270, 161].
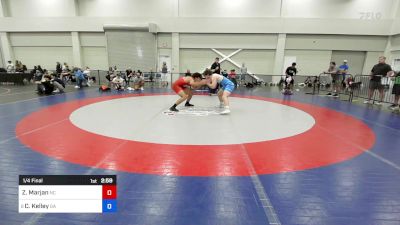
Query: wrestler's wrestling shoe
[225, 111]
[173, 109]
[187, 104]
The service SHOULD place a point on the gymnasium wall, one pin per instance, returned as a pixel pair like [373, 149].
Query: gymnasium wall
[258, 61]
[2, 61]
[356, 60]
[164, 40]
[40, 8]
[396, 54]
[314, 52]
[372, 17]
[258, 50]
[245, 41]
[347, 9]
[43, 49]
[229, 8]
[164, 49]
[126, 8]
[310, 62]
[395, 42]
[336, 42]
[93, 50]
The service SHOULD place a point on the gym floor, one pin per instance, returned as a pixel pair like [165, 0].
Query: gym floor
[299, 159]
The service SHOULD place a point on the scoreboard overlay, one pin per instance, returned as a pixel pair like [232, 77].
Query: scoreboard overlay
[67, 193]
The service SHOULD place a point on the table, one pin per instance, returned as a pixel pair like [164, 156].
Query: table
[16, 78]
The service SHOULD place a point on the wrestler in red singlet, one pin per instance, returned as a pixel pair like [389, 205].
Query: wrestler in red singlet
[182, 88]
[180, 85]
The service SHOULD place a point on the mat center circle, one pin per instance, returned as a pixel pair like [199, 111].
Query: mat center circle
[144, 119]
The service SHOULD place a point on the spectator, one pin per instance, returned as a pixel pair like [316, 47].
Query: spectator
[216, 66]
[80, 77]
[88, 77]
[343, 70]
[45, 85]
[24, 69]
[18, 66]
[140, 74]
[118, 83]
[40, 69]
[378, 71]
[138, 81]
[49, 84]
[232, 77]
[115, 72]
[188, 73]
[396, 92]
[335, 86]
[34, 69]
[151, 76]
[65, 67]
[10, 67]
[110, 74]
[290, 72]
[58, 84]
[65, 73]
[128, 77]
[224, 73]
[164, 75]
[243, 71]
[38, 74]
[58, 68]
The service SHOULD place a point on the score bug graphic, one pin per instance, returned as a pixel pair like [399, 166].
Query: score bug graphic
[67, 193]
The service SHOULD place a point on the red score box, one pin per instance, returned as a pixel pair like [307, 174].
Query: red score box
[109, 191]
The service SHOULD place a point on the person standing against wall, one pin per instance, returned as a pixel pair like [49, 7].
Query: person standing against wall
[215, 68]
[396, 92]
[290, 72]
[151, 76]
[335, 86]
[343, 70]
[378, 71]
[188, 73]
[243, 72]
[10, 67]
[164, 76]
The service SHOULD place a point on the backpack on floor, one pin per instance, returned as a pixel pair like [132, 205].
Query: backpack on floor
[104, 88]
